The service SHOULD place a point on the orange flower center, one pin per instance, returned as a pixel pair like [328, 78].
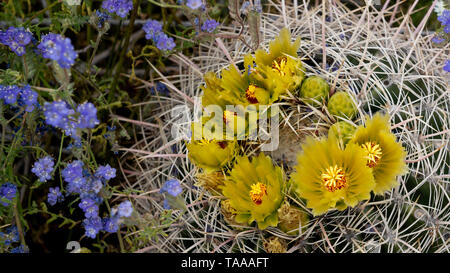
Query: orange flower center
[204, 141]
[334, 178]
[257, 192]
[279, 65]
[228, 115]
[373, 153]
[250, 93]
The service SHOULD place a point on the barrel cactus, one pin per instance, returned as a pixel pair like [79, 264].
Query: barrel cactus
[385, 70]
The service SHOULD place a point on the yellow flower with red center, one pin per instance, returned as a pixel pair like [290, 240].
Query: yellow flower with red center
[383, 154]
[255, 190]
[373, 153]
[328, 177]
[250, 94]
[333, 178]
[281, 63]
[238, 88]
[210, 153]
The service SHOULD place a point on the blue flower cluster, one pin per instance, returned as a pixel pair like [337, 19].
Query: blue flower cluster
[56, 47]
[153, 30]
[54, 196]
[80, 181]
[111, 224]
[172, 187]
[43, 168]
[210, 25]
[16, 39]
[11, 235]
[445, 20]
[58, 114]
[105, 172]
[119, 7]
[23, 96]
[7, 191]
[125, 209]
[102, 17]
[437, 40]
[20, 249]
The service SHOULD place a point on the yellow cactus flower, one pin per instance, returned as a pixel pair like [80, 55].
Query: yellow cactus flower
[243, 89]
[281, 64]
[255, 190]
[236, 88]
[212, 91]
[383, 154]
[329, 177]
[210, 153]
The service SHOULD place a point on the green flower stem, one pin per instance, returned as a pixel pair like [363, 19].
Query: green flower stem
[124, 49]
[49, 7]
[97, 42]
[25, 68]
[18, 223]
[122, 248]
[164, 5]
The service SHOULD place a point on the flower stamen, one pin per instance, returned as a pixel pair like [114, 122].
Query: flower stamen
[204, 141]
[334, 178]
[228, 115]
[250, 94]
[373, 153]
[257, 192]
[279, 65]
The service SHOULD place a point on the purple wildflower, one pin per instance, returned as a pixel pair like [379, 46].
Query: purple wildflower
[87, 115]
[172, 187]
[437, 40]
[119, 7]
[20, 249]
[447, 66]
[57, 113]
[210, 25]
[111, 224]
[55, 47]
[43, 168]
[105, 172]
[164, 42]
[7, 191]
[125, 209]
[445, 20]
[11, 235]
[102, 17]
[73, 175]
[9, 93]
[194, 4]
[92, 226]
[152, 29]
[16, 39]
[28, 98]
[54, 196]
